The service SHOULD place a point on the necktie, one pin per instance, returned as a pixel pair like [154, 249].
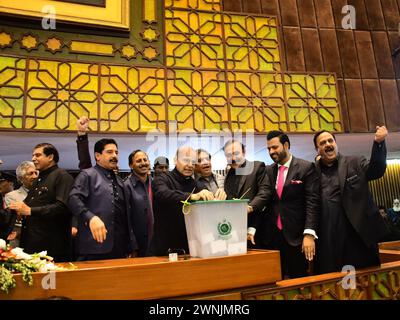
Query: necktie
[279, 189]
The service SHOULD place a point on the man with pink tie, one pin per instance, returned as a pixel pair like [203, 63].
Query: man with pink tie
[290, 223]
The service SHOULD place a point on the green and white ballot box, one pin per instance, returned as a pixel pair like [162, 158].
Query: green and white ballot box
[216, 228]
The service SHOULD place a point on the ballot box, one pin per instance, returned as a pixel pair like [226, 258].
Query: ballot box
[216, 228]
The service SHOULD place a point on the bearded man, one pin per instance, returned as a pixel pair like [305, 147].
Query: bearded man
[291, 221]
[394, 213]
[350, 225]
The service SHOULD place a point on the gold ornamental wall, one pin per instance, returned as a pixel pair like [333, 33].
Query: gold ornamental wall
[183, 64]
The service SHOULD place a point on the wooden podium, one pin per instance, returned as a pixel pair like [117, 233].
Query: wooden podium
[153, 277]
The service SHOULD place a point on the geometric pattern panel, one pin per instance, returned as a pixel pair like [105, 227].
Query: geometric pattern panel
[59, 93]
[197, 100]
[251, 43]
[132, 99]
[12, 81]
[257, 101]
[222, 71]
[312, 102]
[193, 39]
[115, 98]
[209, 5]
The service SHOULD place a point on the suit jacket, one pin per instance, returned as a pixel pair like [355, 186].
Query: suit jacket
[16, 195]
[7, 222]
[92, 195]
[49, 225]
[169, 223]
[298, 206]
[257, 185]
[354, 174]
[82, 145]
[139, 199]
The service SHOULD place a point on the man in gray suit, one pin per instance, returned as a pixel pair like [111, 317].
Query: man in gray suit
[350, 225]
[203, 172]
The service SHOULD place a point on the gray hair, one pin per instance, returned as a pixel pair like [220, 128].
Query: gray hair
[21, 169]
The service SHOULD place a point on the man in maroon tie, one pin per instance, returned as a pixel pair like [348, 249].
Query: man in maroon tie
[291, 222]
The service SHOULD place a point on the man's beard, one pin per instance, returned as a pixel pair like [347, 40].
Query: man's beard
[396, 208]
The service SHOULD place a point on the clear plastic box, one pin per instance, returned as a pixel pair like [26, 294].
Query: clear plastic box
[217, 228]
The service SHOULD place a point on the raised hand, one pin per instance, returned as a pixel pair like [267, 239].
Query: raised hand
[82, 125]
[380, 134]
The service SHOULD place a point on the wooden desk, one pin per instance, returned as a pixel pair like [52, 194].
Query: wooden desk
[155, 277]
[389, 251]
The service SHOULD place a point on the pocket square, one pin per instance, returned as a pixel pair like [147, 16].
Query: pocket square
[296, 182]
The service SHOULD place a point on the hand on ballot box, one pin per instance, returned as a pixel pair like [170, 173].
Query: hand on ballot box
[204, 195]
[220, 195]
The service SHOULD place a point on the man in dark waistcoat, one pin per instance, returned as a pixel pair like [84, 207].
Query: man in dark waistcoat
[99, 201]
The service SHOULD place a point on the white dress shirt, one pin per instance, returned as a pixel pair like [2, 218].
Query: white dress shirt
[251, 230]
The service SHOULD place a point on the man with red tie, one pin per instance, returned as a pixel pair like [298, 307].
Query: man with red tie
[291, 222]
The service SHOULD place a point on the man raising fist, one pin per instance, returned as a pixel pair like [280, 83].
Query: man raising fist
[350, 225]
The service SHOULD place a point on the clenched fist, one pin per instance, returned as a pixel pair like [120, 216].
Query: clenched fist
[380, 134]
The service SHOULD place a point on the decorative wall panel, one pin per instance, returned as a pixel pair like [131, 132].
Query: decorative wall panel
[383, 284]
[219, 71]
[314, 38]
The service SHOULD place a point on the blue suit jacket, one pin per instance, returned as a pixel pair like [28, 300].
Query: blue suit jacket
[91, 195]
[139, 199]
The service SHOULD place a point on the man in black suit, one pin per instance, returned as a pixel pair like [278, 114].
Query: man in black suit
[246, 179]
[47, 221]
[350, 225]
[170, 190]
[291, 222]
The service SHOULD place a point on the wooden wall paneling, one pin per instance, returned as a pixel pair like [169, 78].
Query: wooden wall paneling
[307, 13]
[270, 7]
[312, 50]
[356, 105]
[373, 104]
[348, 54]
[391, 104]
[337, 6]
[391, 13]
[361, 14]
[289, 14]
[330, 51]
[294, 49]
[251, 6]
[382, 54]
[324, 13]
[394, 42]
[232, 5]
[366, 56]
[343, 104]
[375, 14]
